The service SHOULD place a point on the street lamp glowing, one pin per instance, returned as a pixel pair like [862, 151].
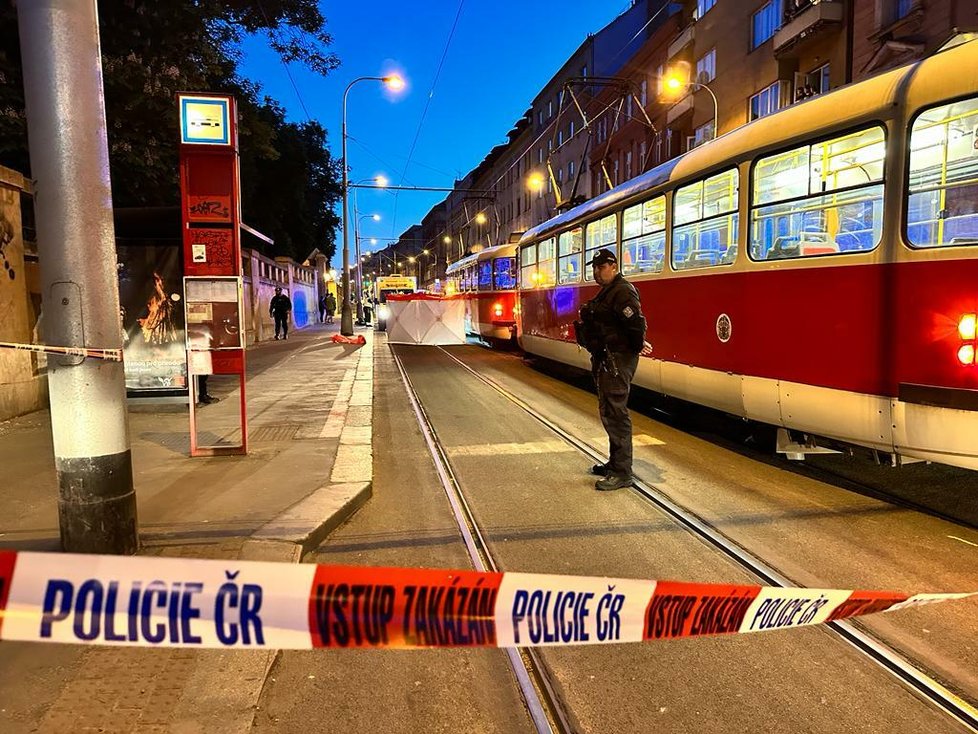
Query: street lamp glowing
[411, 258]
[480, 218]
[535, 181]
[376, 217]
[675, 83]
[394, 82]
[424, 252]
[381, 181]
[373, 240]
[446, 239]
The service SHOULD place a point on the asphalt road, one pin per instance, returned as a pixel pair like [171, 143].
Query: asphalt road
[535, 502]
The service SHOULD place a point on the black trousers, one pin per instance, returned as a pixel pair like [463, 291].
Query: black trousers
[282, 323]
[613, 377]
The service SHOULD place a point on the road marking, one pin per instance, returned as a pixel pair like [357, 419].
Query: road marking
[955, 537]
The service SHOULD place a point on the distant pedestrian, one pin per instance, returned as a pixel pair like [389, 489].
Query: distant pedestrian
[279, 309]
[330, 307]
[322, 310]
[612, 329]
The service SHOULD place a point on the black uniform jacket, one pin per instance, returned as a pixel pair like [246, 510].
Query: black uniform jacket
[618, 313]
[280, 305]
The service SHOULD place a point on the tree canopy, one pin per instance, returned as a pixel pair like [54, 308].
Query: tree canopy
[150, 51]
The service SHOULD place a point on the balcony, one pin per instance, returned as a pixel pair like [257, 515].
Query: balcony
[681, 41]
[807, 20]
[680, 108]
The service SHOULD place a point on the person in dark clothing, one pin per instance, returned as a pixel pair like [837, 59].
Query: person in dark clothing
[330, 307]
[612, 329]
[279, 309]
[322, 310]
[204, 397]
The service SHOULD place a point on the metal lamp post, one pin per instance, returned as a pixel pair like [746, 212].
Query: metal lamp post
[675, 83]
[346, 314]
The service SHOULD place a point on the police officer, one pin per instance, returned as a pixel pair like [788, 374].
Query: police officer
[612, 329]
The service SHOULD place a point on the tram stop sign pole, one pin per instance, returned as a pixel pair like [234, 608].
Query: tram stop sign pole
[210, 206]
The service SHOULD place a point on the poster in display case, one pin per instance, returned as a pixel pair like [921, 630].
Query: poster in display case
[213, 308]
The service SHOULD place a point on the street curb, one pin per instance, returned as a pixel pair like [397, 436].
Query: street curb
[307, 523]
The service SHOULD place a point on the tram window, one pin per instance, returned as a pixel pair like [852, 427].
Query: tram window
[602, 233]
[569, 246]
[528, 255]
[706, 222]
[943, 192]
[485, 275]
[547, 263]
[820, 199]
[643, 234]
[504, 276]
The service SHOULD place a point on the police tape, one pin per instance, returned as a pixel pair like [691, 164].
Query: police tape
[171, 602]
[111, 355]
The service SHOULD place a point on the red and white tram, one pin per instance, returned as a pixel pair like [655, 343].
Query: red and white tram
[816, 269]
[487, 282]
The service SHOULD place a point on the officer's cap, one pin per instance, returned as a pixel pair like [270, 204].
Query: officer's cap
[603, 256]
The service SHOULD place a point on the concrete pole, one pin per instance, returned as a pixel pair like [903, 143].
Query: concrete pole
[76, 246]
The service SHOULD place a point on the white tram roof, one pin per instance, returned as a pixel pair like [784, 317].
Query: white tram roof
[504, 250]
[944, 75]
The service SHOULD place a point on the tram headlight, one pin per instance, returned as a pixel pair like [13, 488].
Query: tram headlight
[966, 354]
[968, 326]
[497, 310]
[383, 312]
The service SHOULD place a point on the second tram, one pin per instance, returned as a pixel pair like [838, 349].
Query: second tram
[486, 280]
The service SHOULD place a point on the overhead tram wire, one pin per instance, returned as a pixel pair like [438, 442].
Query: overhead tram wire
[288, 71]
[546, 129]
[427, 104]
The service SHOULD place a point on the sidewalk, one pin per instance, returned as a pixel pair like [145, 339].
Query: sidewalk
[307, 470]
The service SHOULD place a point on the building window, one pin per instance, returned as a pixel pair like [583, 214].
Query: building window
[628, 165]
[628, 107]
[706, 67]
[644, 92]
[703, 7]
[642, 150]
[584, 70]
[702, 134]
[560, 137]
[539, 117]
[903, 8]
[815, 82]
[572, 128]
[550, 109]
[660, 80]
[765, 22]
[539, 155]
[560, 175]
[570, 169]
[768, 100]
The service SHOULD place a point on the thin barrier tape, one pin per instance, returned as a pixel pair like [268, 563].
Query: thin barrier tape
[112, 355]
[170, 602]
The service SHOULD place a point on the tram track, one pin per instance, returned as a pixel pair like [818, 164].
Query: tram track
[534, 669]
[547, 713]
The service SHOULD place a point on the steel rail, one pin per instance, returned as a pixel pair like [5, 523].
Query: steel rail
[545, 710]
[879, 652]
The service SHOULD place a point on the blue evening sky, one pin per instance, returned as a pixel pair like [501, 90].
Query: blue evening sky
[499, 57]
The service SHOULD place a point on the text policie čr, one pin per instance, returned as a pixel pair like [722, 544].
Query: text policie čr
[155, 613]
[548, 616]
